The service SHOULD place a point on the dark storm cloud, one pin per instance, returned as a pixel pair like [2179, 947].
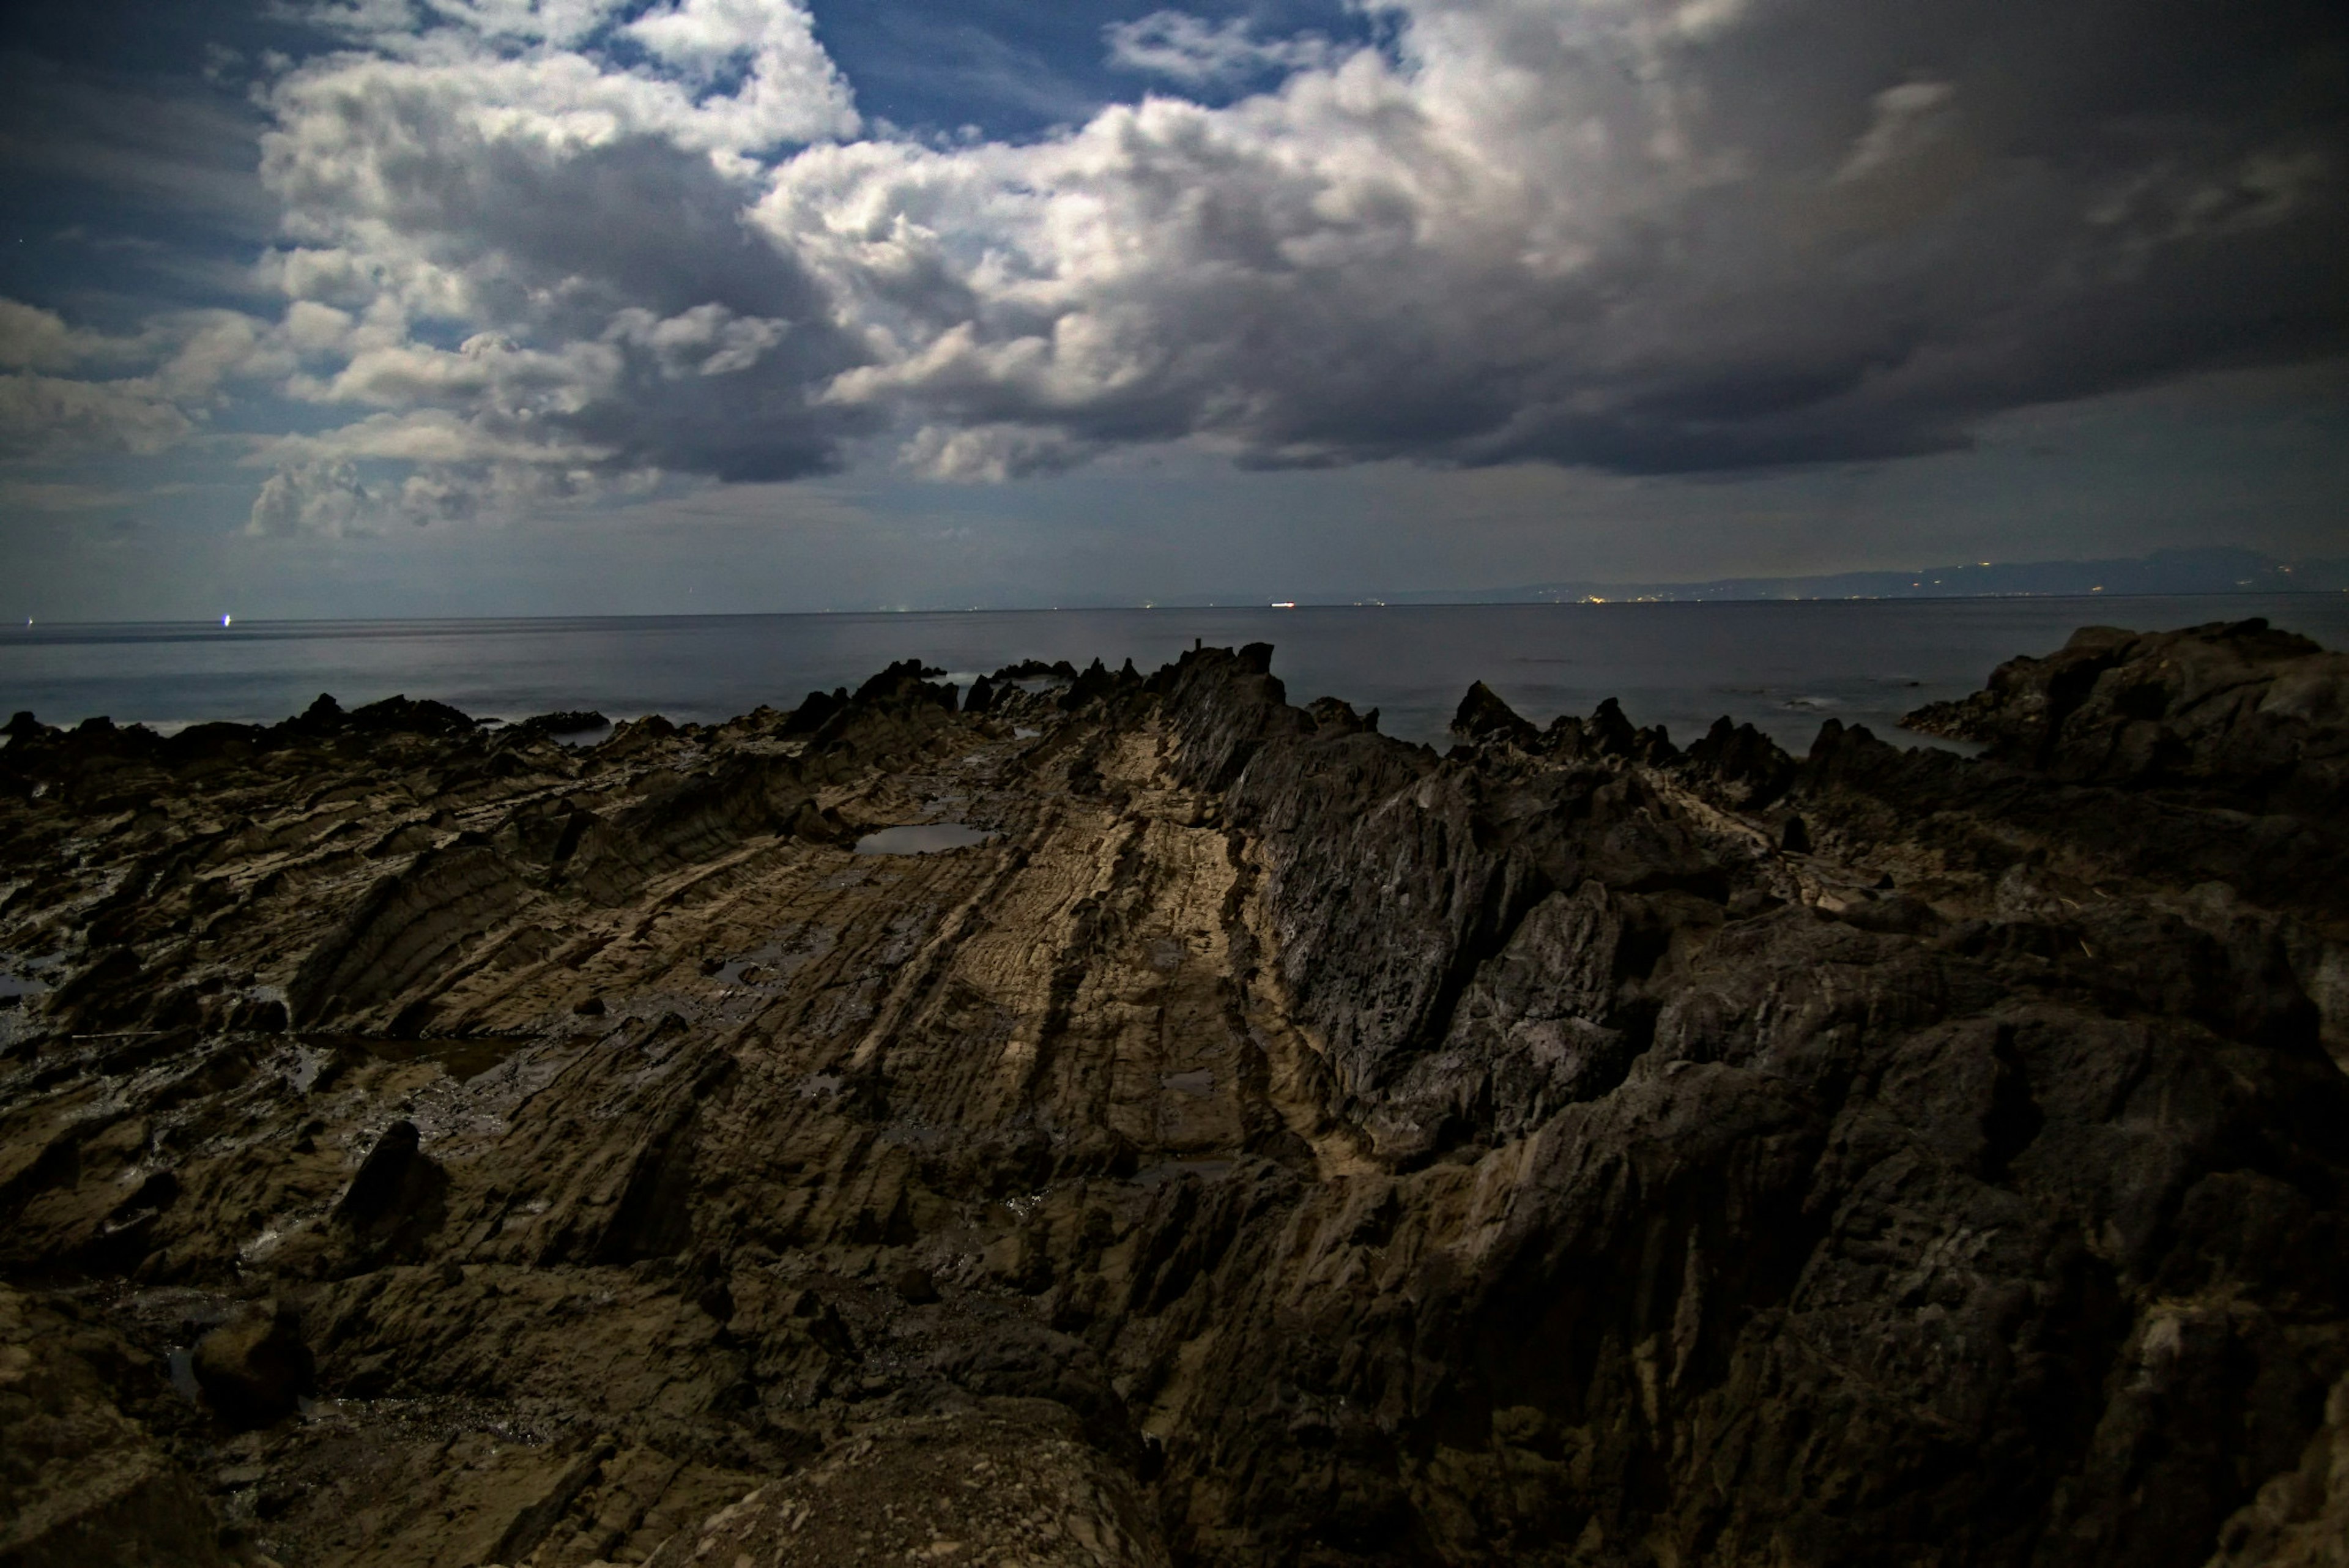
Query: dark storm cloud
[1667, 238]
[639, 229]
[548, 251]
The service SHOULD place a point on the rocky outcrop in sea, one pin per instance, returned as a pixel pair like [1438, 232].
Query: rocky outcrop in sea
[1242, 1137]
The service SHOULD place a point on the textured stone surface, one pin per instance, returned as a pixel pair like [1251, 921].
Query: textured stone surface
[81, 1481]
[2236, 712]
[1277, 1144]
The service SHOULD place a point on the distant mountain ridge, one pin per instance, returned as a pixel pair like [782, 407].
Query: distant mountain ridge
[2217, 570]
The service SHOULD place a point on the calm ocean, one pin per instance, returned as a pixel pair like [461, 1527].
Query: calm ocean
[1785, 665]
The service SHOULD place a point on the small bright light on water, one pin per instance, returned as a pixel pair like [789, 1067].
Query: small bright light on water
[225, 619]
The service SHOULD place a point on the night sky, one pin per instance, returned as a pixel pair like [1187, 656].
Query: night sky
[479, 307]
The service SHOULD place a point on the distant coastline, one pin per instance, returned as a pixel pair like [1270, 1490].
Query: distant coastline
[2167, 573]
[2164, 574]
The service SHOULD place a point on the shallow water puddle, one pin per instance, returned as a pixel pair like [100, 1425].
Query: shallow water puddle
[927, 838]
[183, 1376]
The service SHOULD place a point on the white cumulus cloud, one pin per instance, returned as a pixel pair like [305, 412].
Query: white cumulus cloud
[68, 392]
[545, 249]
[1196, 52]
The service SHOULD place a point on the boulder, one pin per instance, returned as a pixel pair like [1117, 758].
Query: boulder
[254, 1367]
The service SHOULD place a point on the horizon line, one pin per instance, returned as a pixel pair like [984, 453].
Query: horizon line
[34, 623]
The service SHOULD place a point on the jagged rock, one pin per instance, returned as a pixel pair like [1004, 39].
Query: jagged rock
[1340, 717]
[811, 715]
[905, 680]
[323, 717]
[1609, 733]
[1483, 716]
[1036, 670]
[1276, 1143]
[1096, 681]
[1743, 765]
[569, 722]
[2247, 714]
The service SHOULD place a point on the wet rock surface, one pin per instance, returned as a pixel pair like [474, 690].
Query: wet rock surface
[422, 1143]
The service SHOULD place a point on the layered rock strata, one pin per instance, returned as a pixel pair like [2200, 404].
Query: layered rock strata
[1274, 1143]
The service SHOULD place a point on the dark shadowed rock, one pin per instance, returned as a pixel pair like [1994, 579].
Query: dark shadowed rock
[403, 715]
[570, 721]
[1610, 732]
[906, 681]
[1483, 716]
[323, 717]
[809, 715]
[394, 1202]
[254, 1367]
[1036, 670]
[1741, 763]
[1095, 683]
[381, 1178]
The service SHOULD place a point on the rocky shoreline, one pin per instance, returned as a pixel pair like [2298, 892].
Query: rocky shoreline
[1263, 1141]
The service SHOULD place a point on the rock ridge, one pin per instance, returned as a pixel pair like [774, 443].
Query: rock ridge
[426, 1143]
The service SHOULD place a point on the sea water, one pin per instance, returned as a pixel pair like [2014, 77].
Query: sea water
[1784, 666]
